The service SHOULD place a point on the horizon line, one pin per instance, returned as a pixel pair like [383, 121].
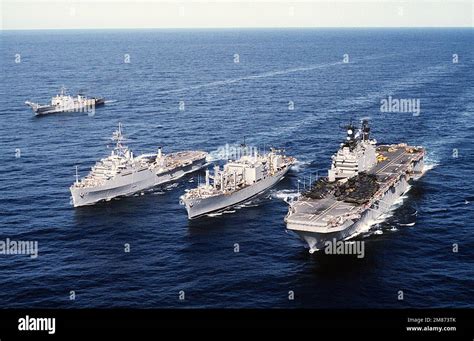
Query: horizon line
[235, 28]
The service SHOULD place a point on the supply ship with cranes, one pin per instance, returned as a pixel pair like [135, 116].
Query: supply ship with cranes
[237, 182]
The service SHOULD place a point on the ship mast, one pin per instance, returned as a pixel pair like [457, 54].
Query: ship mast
[117, 136]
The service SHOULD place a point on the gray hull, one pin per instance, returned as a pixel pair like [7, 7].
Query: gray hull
[317, 240]
[130, 184]
[40, 110]
[204, 206]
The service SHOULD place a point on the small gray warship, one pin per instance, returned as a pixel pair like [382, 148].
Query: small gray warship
[63, 102]
[364, 181]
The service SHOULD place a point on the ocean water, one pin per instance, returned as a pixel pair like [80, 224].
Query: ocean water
[225, 101]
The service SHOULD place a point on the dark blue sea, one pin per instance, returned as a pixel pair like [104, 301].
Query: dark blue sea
[225, 101]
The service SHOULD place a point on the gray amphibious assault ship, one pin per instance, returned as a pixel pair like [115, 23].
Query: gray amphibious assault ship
[122, 174]
[364, 181]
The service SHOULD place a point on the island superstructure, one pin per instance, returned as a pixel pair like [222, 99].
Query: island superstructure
[237, 182]
[63, 102]
[123, 174]
[364, 181]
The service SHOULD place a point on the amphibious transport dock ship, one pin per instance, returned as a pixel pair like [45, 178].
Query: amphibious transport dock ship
[365, 179]
[122, 174]
[236, 183]
[65, 103]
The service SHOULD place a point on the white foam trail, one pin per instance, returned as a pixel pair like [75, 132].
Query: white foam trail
[409, 224]
[217, 214]
[110, 101]
[428, 167]
[269, 74]
[285, 195]
[392, 87]
[171, 186]
[251, 77]
[397, 203]
[298, 165]
[247, 204]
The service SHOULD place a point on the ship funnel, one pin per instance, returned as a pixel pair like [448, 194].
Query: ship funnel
[160, 154]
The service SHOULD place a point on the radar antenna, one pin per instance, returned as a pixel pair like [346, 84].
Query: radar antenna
[118, 137]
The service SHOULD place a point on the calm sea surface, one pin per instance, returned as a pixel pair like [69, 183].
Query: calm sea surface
[82, 250]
